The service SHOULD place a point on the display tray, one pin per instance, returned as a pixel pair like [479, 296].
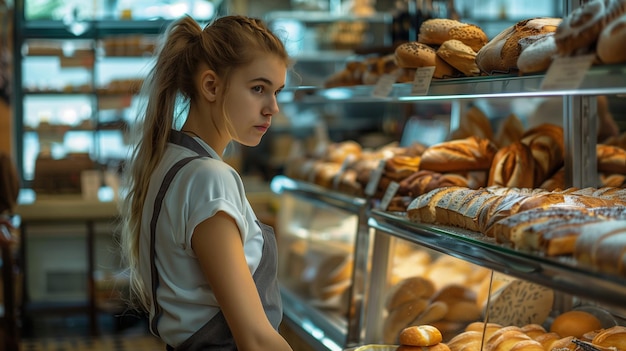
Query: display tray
[560, 273]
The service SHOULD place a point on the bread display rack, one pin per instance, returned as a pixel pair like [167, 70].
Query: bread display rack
[364, 317]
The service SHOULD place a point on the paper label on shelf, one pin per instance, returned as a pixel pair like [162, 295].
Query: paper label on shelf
[567, 73]
[384, 85]
[370, 189]
[391, 191]
[421, 82]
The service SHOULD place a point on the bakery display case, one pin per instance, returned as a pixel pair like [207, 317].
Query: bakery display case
[463, 239]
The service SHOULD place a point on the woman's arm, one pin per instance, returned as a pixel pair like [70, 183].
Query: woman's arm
[218, 246]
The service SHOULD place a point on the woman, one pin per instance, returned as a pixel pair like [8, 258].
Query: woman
[199, 260]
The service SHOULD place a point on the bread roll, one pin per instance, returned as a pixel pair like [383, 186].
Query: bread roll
[437, 347]
[505, 339]
[575, 323]
[435, 311]
[467, 154]
[466, 341]
[460, 56]
[420, 335]
[436, 31]
[533, 330]
[411, 55]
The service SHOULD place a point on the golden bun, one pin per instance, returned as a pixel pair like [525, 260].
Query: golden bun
[575, 323]
[611, 39]
[420, 335]
[436, 31]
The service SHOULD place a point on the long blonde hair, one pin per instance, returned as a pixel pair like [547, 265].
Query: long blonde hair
[224, 45]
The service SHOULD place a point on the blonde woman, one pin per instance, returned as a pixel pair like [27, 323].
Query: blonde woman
[200, 262]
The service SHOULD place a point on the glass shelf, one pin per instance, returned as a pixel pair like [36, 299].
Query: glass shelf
[605, 79]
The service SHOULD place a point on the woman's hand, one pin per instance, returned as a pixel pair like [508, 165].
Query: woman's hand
[218, 246]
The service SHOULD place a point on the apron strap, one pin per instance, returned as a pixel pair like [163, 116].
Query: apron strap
[178, 138]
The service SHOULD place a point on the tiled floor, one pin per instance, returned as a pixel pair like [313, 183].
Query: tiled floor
[63, 333]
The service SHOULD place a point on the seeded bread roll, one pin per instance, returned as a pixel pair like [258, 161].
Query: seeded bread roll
[467, 154]
[412, 55]
[611, 41]
[436, 31]
[460, 56]
[501, 53]
[580, 29]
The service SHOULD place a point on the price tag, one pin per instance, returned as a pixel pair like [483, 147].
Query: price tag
[384, 85]
[346, 162]
[421, 82]
[391, 191]
[567, 73]
[372, 185]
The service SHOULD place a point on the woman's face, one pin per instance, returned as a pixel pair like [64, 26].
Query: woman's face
[251, 99]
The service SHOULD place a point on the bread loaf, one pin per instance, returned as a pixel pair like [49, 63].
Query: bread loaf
[471, 153]
[580, 29]
[611, 159]
[511, 166]
[612, 37]
[473, 123]
[436, 31]
[538, 54]
[500, 54]
[547, 145]
[509, 131]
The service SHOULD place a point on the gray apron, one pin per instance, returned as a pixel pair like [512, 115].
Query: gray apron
[215, 334]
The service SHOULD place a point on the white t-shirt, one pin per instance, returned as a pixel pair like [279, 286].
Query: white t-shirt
[198, 191]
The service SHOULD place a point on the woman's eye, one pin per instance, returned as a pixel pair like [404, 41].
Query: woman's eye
[258, 89]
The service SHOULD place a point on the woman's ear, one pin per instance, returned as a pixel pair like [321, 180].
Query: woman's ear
[208, 85]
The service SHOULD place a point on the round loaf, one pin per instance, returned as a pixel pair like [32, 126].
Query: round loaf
[538, 55]
[460, 56]
[581, 28]
[611, 41]
[413, 55]
[501, 53]
[420, 335]
[575, 323]
[466, 154]
[436, 31]
[511, 167]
